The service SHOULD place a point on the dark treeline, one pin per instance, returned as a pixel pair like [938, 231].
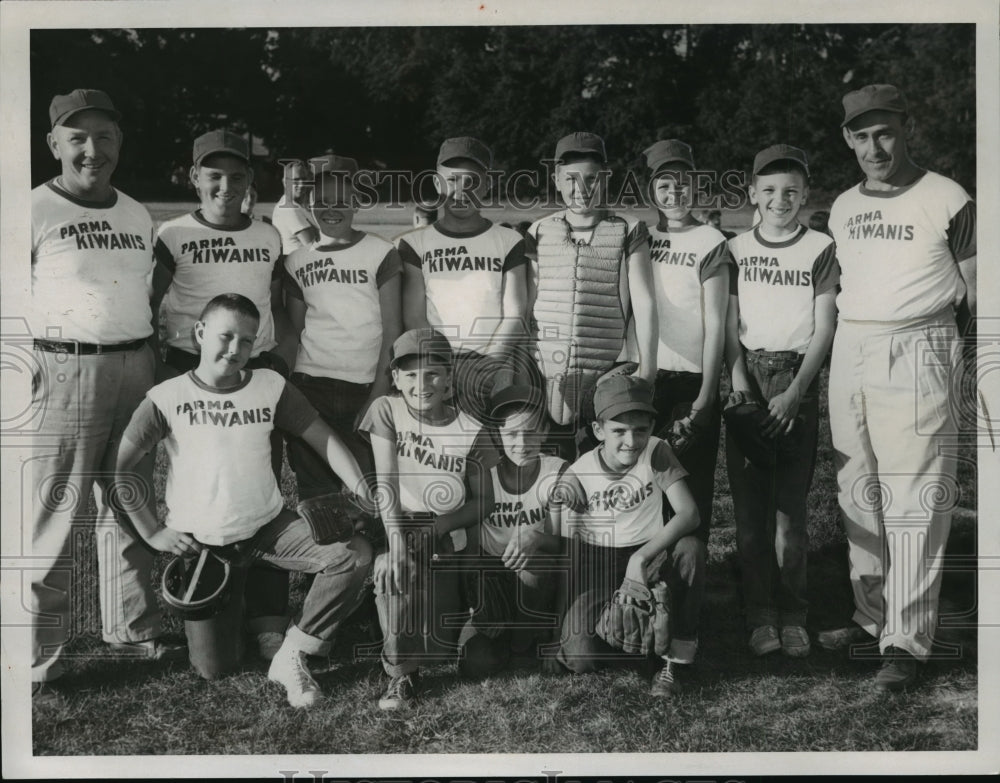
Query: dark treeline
[387, 96]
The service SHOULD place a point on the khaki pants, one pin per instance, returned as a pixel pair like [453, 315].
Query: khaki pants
[84, 404]
[890, 417]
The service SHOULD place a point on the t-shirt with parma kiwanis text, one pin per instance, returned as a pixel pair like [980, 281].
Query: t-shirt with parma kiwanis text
[91, 265]
[899, 249]
[682, 260]
[220, 485]
[342, 335]
[463, 277]
[433, 460]
[620, 509]
[207, 260]
[517, 511]
[777, 283]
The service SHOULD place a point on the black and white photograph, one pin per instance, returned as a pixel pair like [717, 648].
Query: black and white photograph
[490, 388]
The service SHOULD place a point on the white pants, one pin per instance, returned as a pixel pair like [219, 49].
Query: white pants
[892, 392]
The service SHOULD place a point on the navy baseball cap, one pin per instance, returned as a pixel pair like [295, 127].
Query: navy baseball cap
[334, 164]
[514, 398]
[465, 147]
[872, 97]
[621, 394]
[221, 141]
[668, 151]
[778, 152]
[65, 106]
[421, 342]
[582, 143]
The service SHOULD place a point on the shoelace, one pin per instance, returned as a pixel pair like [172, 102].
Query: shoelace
[396, 687]
[303, 677]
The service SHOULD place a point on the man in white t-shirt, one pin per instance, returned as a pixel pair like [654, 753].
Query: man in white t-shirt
[91, 259]
[906, 242]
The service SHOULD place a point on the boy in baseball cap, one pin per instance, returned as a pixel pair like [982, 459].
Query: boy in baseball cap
[215, 422]
[608, 257]
[466, 275]
[522, 528]
[342, 296]
[430, 460]
[214, 250]
[616, 529]
[782, 314]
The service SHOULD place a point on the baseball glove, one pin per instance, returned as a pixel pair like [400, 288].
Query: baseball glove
[683, 434]
[745, 418]
[332, 518]
[637, 619]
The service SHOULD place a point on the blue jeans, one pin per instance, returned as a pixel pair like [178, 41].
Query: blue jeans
[215, 645]
[597, 571]
[770, 505]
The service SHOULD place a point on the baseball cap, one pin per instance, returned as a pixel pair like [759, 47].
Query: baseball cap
[465, 147]
[621, 394]
[780, 152]
[220, 140]
[582, 142]
[667, 151]
[872, 97]
[420, 342]
[334, 164]
[515, 397]
[65, 106]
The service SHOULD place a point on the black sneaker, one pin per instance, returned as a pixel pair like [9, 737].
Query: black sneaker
[668, 682]
[401, 693]
[843, 638]
[898, 672]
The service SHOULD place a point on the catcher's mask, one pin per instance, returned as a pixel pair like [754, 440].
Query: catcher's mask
[196, 589]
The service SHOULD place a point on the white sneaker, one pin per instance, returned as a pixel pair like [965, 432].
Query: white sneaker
[289, 668]
[268, 644]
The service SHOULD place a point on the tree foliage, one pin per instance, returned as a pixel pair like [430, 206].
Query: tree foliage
[388, 96]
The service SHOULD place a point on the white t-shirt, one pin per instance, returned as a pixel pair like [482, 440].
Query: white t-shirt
[621, 509]
[683, 259]
[220, 486]
[432, 459]
[777, 283]
[339, 284]
[290, 219]
[520, 511]
[208, 260]
[898, 249]
[463, 278]
[91, 267]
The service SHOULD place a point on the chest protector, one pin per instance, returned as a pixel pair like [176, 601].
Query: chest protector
[578, 312]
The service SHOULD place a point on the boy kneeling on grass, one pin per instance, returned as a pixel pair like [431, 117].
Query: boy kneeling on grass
[216, 422]
[520, 536]
[617, 531]
[430, 461]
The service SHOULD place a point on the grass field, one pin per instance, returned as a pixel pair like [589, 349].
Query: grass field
[737, 703]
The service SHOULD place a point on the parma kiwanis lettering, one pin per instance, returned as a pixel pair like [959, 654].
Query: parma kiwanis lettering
[457, 259]
[415, 446]
[618, 498]
[223, 250]
[760, 269]
[867, 225]
[660, 253]
[100, 235]
[222, 413]
[512, 513]
[324, 270]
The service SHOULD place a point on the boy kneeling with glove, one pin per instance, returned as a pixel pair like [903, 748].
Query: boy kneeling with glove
[618, 538]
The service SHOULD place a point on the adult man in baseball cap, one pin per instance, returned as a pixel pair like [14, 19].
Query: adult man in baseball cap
[93, 368]
[906, 242]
